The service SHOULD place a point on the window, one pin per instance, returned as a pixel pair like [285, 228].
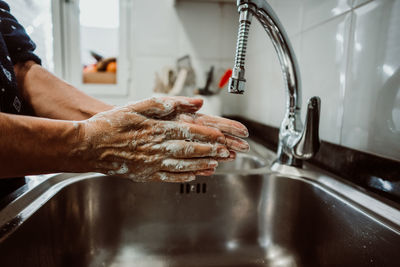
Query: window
[99, 35]
[92, 51]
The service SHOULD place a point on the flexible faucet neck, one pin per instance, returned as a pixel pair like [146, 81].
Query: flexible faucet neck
[287, 58]
[237, 81]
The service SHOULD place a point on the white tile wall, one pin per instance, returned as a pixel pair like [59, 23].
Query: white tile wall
[317, 11]
[357, 3]
[349, 55]
[290, 14]
[229, 30]
[155, 28]
[372, 102]
[323, 67]
[163, 32]
[199, 35]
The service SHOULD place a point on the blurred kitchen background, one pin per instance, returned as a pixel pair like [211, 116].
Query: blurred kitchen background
[348, 50]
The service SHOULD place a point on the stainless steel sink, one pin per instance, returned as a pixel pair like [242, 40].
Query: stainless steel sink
[243, 162]
[250, 217]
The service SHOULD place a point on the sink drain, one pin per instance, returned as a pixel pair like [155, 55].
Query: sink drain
[193, 188]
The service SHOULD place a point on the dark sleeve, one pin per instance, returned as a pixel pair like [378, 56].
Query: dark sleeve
[19, 44]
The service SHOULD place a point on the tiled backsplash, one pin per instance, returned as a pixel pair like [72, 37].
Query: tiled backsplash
[163, 32]
[349, 55]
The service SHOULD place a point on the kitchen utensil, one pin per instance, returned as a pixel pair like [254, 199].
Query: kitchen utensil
[206, 90]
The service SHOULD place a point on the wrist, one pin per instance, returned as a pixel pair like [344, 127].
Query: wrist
[32, 146]
[79, 148]
[92, 108]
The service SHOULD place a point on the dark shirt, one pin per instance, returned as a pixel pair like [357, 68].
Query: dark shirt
[15, 46]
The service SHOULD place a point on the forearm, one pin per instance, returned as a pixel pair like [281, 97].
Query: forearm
[34, 146]
[51, 97]
[136, 141]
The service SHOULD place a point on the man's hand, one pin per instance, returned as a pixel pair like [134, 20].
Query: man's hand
[184, 109]
[155, 140]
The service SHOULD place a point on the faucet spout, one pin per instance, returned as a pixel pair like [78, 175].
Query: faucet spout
[237, 81]
[295, 142]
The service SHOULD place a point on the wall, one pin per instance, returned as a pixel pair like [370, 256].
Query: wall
[349, 55]
[163, 32]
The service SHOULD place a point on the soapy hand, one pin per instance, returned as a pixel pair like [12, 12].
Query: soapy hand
[231, 129]
[159, 140]
[178, 111]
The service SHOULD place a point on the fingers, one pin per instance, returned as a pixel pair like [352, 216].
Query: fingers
[232, 157]
[236, 144]
[176, 177]
[185, 149]
[173, 177]
[187, 165]
[225, 125]
[208, 172]
[165, 106]
[187, 131]
[228, 126]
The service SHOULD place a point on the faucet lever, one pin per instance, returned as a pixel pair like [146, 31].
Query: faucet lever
[308, 143]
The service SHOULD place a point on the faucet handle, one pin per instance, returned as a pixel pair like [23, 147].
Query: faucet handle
[308, 144]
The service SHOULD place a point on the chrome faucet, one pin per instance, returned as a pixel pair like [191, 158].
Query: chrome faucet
[296, 142]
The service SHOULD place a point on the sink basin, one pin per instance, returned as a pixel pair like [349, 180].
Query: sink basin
[242, 163]
[257, 160]
[286, 217]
